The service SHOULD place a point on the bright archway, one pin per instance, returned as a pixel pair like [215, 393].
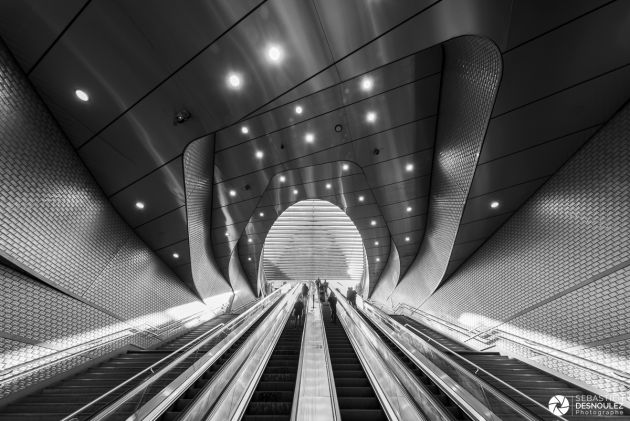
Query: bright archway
[311, 239]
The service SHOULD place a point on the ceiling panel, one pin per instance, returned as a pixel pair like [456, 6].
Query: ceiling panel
[165, 230]
[585, 48]
[161, 191]
[46, 21]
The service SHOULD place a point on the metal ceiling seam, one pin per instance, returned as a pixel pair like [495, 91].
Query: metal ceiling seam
[542, 177]
[169, 76]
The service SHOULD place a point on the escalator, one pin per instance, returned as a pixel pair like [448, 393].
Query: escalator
[273, 397]
[356, 398]
[177, 409]
[63, 398]
[531, 381]
[446, 402]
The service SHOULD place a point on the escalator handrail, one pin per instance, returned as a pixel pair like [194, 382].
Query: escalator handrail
[252, 382]
[506, 400]
[201, 339]
[387, 406]
[331, 380]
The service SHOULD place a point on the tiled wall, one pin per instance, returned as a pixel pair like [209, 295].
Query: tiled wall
[558, 272]
[57, 225]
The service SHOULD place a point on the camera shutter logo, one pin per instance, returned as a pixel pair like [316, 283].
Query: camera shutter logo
[559, 405]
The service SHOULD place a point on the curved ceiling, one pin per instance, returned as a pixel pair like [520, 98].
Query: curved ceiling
[565, 73]
[313, 238]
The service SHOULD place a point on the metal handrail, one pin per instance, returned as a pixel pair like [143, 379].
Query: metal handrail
[467, 373]
[99, 343]
[498, 334]
[477, 369]
[201, 339]
[298, 376]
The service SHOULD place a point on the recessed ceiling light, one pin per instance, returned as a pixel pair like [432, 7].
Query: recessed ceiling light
[298, 109]
[249, 258]
[176, 255]
[494, 204]
[409, 167]
[370, 117]
[409, 209]
[361, 198]
[378, 259]
[259, 154]
[275, 53]
[140, 205]
[376, 243]
[82, 95]
[309, 137]
[407, 239]
[261, 214]
[373, 222]
[283, 179]
[345, 167]
[244, 129]
[232, 193]
[227, 234]
[249, 240]
[234, 80]
[328, 185]
[367, 83]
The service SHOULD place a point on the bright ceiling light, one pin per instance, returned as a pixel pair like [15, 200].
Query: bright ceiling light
[309, 137]
[82, 95]
[227, 234]
[283, 179]
[367, 83]
[373, 222]
[234, 80]
[176, 255]
[378, 259]
[345, 167]
[261, 214]
[298, 109]
[275, 53]
[409, 167]
[249, 240]
[249, 259]
[259, 154]
[494, 204]
[244, 129]
[140, 205]
[361, 198]
[295, 191]
[232, 193]
[370, 117]
[409, 209]
[328, 185]
[407, 239]
[376, 243]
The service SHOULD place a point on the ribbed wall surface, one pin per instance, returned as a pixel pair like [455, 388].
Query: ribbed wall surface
[557, 272]
[57, 225]
[312, 239]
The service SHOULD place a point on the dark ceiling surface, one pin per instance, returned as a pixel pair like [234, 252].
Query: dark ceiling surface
[565, 73]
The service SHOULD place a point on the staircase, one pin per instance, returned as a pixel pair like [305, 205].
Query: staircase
[531, 381]
[356, 398]
[61, 399]
[446, 402]
[273, 397]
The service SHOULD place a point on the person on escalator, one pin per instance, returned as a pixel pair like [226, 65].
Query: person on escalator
[332, 300]
[298, 311]
[305, 292]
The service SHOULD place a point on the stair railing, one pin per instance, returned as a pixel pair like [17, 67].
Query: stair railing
[425, 346]
[489, 338]
[184, 352]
